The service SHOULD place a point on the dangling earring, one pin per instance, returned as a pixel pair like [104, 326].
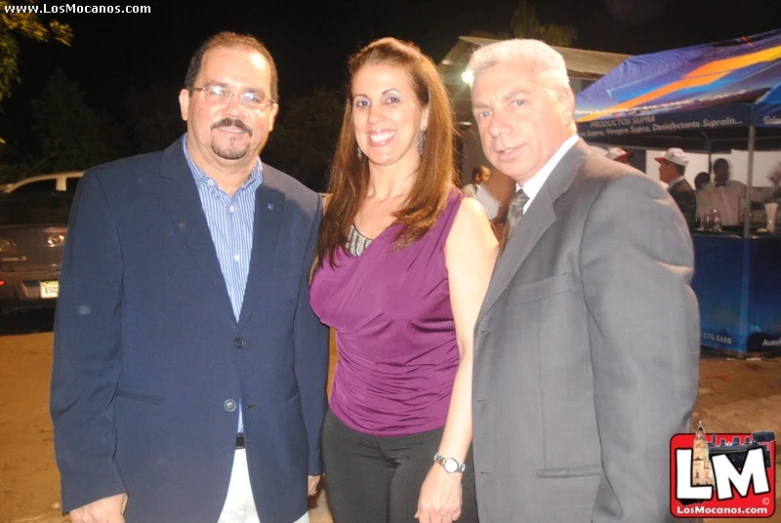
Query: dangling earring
[421, 141]
[360, 154]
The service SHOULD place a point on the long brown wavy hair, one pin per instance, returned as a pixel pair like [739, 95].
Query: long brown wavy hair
[349, 175]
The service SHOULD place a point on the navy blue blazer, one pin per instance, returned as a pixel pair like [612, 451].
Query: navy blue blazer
[149, 359]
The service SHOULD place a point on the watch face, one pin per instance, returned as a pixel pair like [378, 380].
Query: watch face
[451, 465]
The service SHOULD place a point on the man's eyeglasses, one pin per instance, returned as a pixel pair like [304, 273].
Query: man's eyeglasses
[219, 94]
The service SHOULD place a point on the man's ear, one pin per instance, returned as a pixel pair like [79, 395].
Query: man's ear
[184, 103]
[272, 116]
[567, 101]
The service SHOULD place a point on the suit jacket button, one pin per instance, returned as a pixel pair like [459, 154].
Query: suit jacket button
[239, 343]
[229, 405]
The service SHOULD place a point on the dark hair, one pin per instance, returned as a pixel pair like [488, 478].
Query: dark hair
[349, 175]
[229, 39]
[680, 169]
[701, 179]
[479, 169]
[721, 162]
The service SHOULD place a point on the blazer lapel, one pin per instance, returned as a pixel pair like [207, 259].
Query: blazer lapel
[183, 203]
[538, 218]
[269, 208]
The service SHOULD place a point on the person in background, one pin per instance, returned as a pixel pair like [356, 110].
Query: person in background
[403, 262]
[724, 195]
[189, 369]
[775, 174]
[672, 167]
[480, 174]
[619, 155]
[701, 180]
[587, 342]
[489, 193]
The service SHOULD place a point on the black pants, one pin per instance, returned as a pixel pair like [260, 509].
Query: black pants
[371, 479]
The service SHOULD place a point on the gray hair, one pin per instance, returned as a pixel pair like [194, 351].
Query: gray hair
[549, 68]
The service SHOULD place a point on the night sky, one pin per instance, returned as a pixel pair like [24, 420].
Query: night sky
[310, 40]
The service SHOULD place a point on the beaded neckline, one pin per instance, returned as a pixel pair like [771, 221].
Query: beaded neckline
[356, 242]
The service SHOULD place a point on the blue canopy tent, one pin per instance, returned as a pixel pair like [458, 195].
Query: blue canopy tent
[733, 83]
[713, 97]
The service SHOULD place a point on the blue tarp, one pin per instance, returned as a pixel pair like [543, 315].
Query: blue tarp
[703, 88]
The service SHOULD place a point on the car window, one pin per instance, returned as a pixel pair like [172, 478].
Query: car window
[71, 184]
[39, 187]
[32, 209]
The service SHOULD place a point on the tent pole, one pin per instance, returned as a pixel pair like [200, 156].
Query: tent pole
[752, 138]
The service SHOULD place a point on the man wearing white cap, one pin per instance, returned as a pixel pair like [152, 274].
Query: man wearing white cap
[672, 167]
[619, 155]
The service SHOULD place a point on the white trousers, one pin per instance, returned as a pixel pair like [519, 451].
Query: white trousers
[239, 505]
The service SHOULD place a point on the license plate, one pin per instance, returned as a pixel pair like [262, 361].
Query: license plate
[50, 289]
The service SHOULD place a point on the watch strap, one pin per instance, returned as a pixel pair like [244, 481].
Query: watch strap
[444, 461]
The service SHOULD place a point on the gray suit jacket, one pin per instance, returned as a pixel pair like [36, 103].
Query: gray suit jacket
[586, 352]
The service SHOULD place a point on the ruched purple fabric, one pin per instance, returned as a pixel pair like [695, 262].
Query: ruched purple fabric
[396, 336]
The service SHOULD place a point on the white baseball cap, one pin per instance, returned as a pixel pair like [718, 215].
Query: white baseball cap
[674, 155]
[617, 154]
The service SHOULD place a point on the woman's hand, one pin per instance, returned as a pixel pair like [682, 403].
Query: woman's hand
[440, 497]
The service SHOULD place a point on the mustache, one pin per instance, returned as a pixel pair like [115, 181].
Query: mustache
[233, 122]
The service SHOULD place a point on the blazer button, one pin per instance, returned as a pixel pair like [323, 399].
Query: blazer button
[229, 405]
[239, 343]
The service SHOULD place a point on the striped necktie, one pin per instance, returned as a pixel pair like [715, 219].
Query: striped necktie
[515, 213]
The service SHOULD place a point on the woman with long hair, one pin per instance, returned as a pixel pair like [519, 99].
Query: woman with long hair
[403, 264]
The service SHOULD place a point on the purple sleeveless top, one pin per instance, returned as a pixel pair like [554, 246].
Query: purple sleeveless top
[396, 337]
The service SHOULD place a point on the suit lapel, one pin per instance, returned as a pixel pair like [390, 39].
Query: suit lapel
[538, 218]
[269, 207]
[180, 197]
[540, 215]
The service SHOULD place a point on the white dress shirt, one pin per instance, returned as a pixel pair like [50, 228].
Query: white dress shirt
[535, 183]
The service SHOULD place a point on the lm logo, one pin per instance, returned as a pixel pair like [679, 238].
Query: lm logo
[722, 475]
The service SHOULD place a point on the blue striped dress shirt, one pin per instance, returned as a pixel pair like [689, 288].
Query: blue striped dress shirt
[231, 223]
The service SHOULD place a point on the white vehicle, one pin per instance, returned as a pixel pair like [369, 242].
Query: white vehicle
[46, 184]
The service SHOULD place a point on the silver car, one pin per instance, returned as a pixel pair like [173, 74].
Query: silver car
[32, 236]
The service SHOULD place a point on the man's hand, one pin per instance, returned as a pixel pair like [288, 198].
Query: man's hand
[313, 481]
[106, 510]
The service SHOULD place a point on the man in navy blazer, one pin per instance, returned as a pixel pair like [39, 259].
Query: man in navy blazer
[189, 371]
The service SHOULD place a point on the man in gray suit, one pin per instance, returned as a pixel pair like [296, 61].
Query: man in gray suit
[586, 351]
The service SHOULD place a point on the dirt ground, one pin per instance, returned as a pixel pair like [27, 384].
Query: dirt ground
[735, 396]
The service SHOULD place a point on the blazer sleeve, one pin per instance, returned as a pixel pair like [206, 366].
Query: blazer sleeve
[687, 203]
[87, 350]
[637, 262]
[311, 355]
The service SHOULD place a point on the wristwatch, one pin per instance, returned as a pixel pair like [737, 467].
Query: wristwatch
[450, 465]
